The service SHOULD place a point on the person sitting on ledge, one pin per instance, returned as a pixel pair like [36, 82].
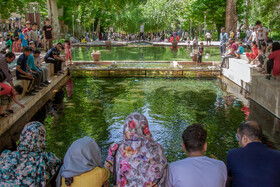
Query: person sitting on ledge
[53, 56]
[253, 164]
[240, 50]
[29, 165]
[7, 95]
[232, 47]
[255, 52]
[274, 60]
[197, 169]
[139, 160]
[23, 74]
[82, 165]
[4, 68]
[38, 63]
[33, 67]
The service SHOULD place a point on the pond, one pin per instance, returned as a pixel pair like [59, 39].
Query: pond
[98, 108]
[142, 53]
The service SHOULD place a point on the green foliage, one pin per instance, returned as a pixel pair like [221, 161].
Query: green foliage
[266, 11]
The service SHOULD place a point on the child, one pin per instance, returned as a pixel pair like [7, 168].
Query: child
[7, 95]
[10, 44]
[16, 45]
[252, 56]
[68, 52]
[195, 42]
[200, 51]
[240, 50]
[38, 64]
[23, 39]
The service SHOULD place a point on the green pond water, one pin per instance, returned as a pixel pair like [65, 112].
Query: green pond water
[142, 53]
[98, 108]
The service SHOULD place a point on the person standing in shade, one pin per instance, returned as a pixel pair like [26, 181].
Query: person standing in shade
[23, 39]
[223, 41]
[253, 164]
[197, 170]
[48, 35]
[34, 35]
[248, 34]
[208, 38]
[262, 34]
[200, 52]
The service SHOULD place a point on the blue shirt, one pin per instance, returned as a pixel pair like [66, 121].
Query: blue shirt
[23, 38]
[223, 38]
[31, 63]
[254, 166]
[241, 49]
[22, 62]
[199, 171]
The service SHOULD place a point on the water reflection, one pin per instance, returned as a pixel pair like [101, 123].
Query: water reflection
[98, 108]
[142, 53]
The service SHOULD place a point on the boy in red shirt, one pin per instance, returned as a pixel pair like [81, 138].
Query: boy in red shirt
[7, 95]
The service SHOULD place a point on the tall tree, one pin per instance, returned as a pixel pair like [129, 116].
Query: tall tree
[231, 16]
[53, 16]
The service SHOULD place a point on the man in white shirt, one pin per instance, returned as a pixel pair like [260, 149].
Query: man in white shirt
[197, 170]
[208, 37]
[262, 34]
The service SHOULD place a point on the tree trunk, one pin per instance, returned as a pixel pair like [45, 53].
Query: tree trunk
[98, 27]
[231, 16]
[53, 16]
[248, 7]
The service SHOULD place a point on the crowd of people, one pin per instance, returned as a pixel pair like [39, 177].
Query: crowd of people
[263, 53]
[29, 64]
[140, 161]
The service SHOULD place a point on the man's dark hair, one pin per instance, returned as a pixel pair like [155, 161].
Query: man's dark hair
[18, 89]
[258, 22]
[37, 51]
[263, 44]
[251, 129]
[194, 137]
[254, 42]
[59, 44]
[28, 49]
[47, 19]
[34, 24]
[10, 55]
[275, 46]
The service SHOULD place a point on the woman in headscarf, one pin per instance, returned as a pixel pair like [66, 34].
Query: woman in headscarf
[82, 165]
[30, 165]
[139, 160]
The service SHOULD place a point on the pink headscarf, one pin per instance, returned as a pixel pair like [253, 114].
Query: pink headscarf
[140, 161]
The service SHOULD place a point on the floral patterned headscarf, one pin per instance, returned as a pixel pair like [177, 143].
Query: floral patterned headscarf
[140, 161]
[29, 165]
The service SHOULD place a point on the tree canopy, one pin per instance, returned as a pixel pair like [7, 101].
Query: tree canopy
[157, 15]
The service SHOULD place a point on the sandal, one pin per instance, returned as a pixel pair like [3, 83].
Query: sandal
[10, 111]
[3, 115]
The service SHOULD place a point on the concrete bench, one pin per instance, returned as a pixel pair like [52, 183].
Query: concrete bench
[240, 72]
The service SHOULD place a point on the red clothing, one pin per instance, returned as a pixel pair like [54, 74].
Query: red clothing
[254, 54]
[16, 46]
[172, 38]
[234, 47]
[5, 89]
[68, 52]
[275, 56]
